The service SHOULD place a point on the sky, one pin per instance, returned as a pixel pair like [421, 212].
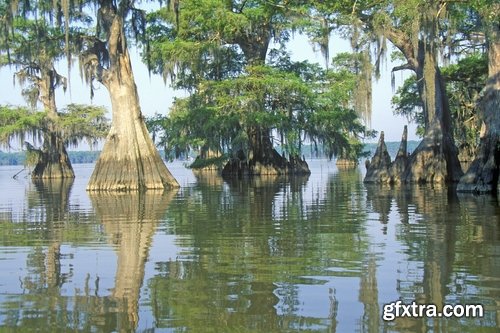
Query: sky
[157, 97]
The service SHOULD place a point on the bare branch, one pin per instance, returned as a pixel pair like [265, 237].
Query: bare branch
[403, 67]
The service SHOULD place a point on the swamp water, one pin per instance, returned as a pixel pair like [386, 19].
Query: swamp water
[317, 254]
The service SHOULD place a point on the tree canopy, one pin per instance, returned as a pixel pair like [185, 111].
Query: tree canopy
[76, 123]
[248, 101]
[246, 98]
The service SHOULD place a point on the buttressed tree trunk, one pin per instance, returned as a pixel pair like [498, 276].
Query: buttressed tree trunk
[483, 174]
[53, 160]
[435, 160]
[129, 160]
[263, 159]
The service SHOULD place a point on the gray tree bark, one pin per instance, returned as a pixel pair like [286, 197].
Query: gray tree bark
[129, 160]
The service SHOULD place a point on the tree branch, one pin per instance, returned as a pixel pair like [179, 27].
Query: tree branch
[397, 37]
[403, 67]
[403, 43]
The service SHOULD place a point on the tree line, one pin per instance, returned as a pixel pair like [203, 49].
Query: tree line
[76, 157]
[91, 156]
[247, 97]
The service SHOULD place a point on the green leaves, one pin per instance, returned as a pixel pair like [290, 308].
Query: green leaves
[464, 81]
[75, 123]
[218, 50]
[294, 101]
[80, 122]
[17, 123]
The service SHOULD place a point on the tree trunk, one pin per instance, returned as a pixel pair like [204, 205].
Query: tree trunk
[263, 159]
[377, 170]
[483, 174]
[53, 160]
[129, 159]
[435, 160]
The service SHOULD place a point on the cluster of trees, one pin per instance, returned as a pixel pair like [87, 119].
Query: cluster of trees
[33, 37]
[464, 82]
[427, 34]
[247, 96]
[453, 48]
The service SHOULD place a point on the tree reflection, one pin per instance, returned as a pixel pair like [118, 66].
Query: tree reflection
[442, 238]
[49, 202]
[130, 220]
[50, 299]
[368, 295]
[299, 254]
[255, 247]
[481, 249]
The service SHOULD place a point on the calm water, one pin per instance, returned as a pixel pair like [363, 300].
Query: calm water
[316, 254]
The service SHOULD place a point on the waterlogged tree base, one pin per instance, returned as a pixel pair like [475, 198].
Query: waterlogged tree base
[130, 175]
[208, 164]
[276, 165]
[377, 170]
[435, 161]
[483, 174]
[53, 170]
[53, 160]
[130, 162]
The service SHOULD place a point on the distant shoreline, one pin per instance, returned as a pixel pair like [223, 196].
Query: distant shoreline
[79, 157]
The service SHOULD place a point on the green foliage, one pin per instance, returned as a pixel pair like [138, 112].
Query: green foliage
[464, 81]
[33, 155]
[32, 42]
[17, 123]
[217, 51]
[217, 162]
[80, 122]
[407, 102]
[296, 101]
[75, 123]
[213, 40]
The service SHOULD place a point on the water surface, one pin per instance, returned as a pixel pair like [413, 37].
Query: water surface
[314, 254]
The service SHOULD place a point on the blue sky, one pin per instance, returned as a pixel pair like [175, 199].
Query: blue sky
[156, 97]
